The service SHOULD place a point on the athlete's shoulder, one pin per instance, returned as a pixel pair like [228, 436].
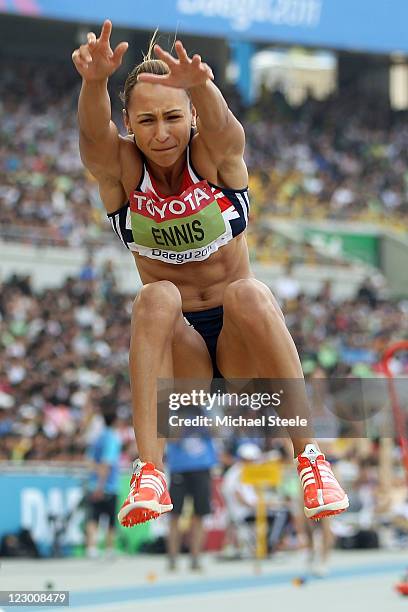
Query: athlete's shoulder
[128, 146]
[131, 163]
[201, 160]
[231, 173]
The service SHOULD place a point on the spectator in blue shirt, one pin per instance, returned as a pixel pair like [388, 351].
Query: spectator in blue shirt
[104, 483]
[189, 460]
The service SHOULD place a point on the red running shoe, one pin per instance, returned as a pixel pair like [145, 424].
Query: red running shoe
[323, 496]
[148, 496]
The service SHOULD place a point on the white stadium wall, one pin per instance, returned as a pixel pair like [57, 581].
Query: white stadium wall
[50, 266]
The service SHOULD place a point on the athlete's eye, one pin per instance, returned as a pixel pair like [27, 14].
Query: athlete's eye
[146, 121]
[174, 117]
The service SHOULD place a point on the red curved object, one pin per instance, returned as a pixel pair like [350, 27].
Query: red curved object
[400, 421]
[402, 587]
[390, 352]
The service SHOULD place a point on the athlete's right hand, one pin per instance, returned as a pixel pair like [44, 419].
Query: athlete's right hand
[96, 61]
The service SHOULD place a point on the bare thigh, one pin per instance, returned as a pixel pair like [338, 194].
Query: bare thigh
[191, 358]
[159, 326]
[242, 338]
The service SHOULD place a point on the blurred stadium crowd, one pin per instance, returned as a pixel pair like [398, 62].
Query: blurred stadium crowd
[65, 350]
[303, 162]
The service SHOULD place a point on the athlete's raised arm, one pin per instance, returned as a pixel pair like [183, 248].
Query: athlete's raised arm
[222, 133]
[99, 138]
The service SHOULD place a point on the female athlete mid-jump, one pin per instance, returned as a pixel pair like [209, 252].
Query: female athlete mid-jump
[175, 190]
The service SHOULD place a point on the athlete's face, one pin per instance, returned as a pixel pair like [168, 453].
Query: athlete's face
[160, 117]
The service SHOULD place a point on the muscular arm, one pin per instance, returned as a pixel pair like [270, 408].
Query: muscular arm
[99, 142]
[94, 109]
[222, 133]
[99, 139]
[98, 135]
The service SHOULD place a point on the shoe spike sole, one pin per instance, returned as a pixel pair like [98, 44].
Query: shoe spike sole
[325, 514]
[139, 516]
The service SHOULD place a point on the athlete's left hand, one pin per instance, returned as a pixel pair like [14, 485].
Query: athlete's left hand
[185, 72]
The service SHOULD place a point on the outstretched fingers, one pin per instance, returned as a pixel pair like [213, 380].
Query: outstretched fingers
[206, 68]
[184, 72]
[82, 57]
[106, 31]
[78, 61]
[165, 56]
[120, 51]
[95, 59]
[181, 52]
[91, 38]
[85, 53]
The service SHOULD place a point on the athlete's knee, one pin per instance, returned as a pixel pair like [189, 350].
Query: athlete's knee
[157, 302]
[242, 295]
[250, 301]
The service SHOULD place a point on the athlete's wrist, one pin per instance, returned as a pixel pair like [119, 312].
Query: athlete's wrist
[95, 83]
[205, 85]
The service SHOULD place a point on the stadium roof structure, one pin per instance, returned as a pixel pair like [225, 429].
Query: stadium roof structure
[356, 25]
